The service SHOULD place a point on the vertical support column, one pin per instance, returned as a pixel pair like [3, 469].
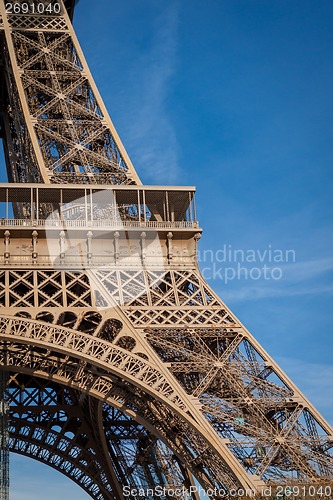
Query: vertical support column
[139, 206]
[143, 236]
[62, 236]
[86, 206]
[89, 246]
[197, 237]
[144, 206]
[34, 239]
[32, 207]
[7, 205]
[116, 246]
[170, 249]
[7, 242]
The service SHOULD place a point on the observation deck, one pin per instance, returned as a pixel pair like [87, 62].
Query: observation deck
[97, 225]
[51, 206]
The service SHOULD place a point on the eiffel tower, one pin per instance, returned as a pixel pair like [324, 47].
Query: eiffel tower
[122, 369]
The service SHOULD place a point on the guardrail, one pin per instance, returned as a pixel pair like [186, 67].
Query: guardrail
[101, 223]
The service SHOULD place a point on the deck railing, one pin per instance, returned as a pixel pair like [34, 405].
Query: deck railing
[102, 223]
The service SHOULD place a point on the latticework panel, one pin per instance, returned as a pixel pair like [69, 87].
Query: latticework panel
[164, 298]
[44, 289]
[272, 429]
[56, 426]
[135, 376]
[47, 428]
[54, 117]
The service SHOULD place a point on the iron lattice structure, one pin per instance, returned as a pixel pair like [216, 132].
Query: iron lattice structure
[123, 367]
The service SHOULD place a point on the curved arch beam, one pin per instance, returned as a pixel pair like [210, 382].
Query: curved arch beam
[24, 358]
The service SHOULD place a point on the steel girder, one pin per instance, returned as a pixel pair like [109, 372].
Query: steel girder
[125, 375]
[55, 124]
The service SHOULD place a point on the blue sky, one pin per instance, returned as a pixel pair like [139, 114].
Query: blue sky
[235, 97]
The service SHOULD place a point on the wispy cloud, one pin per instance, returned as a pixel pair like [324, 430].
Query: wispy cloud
[296, 279]
[309, 269]
[264, 292]
[150, 134]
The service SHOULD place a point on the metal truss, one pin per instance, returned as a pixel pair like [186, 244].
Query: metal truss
[56, 426]
[55, 123]
[261, 417]
[272, 429]
[134, 390]
[45, 288]
[164, 298]
[122, 367]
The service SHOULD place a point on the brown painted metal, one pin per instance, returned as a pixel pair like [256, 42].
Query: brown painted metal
[125, 368]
